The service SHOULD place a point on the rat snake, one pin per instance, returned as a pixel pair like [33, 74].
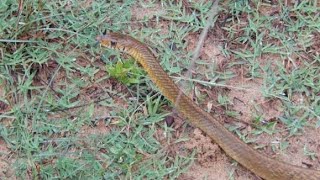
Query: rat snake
[259, 164]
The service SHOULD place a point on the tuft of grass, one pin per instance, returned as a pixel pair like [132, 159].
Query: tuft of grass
[126, 72]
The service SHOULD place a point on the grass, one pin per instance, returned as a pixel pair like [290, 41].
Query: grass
[61, 89]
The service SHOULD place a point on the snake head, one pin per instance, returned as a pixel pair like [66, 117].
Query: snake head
[114, 40]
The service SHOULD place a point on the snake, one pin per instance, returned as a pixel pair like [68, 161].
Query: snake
[258, 163]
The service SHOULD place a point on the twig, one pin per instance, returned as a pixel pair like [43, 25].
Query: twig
[213, 12]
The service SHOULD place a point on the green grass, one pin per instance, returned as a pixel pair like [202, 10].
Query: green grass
[286, 40]
[57, 80]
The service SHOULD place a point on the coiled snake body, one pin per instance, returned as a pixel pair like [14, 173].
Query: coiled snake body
[251, 159]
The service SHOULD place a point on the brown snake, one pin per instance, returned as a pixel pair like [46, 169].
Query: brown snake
[261, 165]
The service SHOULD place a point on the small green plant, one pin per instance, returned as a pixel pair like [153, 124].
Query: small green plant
[126, 72]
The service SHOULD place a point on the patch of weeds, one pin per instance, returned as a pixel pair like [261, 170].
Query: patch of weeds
[126, 72]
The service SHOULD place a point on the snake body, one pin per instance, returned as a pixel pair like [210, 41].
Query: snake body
[259, 164]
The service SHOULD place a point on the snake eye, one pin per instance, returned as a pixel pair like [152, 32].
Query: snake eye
[113, 43]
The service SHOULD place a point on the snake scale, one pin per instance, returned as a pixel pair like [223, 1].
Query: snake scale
[259, 164]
